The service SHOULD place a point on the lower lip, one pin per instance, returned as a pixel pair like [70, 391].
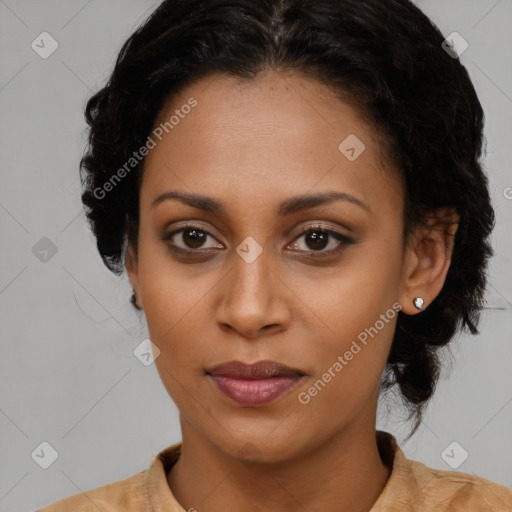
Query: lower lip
[254, 393]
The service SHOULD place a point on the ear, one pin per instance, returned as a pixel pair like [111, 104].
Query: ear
[427, 259]
[132, 269]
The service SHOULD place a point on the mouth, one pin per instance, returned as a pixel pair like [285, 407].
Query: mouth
[254, 385]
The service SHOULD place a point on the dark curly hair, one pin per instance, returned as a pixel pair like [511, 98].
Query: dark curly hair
[386, 58]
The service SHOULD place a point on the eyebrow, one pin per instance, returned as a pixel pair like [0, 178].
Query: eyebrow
[287, 207]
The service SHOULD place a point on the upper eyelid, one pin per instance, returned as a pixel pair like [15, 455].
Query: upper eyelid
[302, 231]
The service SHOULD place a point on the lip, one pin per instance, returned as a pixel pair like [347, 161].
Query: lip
[256, 384]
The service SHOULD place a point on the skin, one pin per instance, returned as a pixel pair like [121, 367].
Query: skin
[251, 145]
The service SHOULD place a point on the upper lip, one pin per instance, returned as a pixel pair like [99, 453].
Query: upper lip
[251, 371]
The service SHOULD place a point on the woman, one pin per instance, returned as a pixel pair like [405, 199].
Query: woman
[294, 190]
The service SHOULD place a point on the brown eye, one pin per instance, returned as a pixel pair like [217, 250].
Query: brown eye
[316, 239]
[189, 238]
[193, 238]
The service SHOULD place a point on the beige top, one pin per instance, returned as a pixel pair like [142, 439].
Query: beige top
[411, 487]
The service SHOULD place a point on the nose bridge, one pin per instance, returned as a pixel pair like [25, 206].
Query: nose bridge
[250, 286]
[250, 294]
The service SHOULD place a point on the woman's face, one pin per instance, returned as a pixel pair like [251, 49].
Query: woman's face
[246, 284]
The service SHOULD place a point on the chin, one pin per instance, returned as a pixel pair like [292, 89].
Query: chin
[262, 448]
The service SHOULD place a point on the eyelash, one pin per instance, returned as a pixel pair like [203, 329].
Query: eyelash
[343, 240]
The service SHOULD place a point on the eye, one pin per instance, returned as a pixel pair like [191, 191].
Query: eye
[317, 238]
[191, 237]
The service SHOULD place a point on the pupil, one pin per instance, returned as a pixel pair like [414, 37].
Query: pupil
[315, 240]
[317, 237]
[196, 240]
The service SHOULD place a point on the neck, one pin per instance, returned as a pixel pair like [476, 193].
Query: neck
[345, 472]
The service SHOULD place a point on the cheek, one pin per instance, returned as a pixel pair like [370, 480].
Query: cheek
[351, 313]
[170, 291]
[181, 360]
[348, 376]
[174, 306]
[346, 300]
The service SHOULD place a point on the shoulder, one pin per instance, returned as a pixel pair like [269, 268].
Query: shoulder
[414, 487]
[129, 494]
[457, 491]
[146, 490]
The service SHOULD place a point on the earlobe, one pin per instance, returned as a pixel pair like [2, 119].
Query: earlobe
[428, 260]
[131, 266]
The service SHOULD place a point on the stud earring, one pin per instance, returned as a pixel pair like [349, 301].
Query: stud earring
[418, 302]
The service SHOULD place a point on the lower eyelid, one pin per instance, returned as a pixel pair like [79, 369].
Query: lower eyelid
[342, 240]
[171, 234]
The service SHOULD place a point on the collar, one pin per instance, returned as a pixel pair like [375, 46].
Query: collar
[162, 499]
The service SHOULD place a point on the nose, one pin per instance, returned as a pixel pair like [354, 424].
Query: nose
[254, 300]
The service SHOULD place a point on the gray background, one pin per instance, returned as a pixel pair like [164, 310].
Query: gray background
[67, 372]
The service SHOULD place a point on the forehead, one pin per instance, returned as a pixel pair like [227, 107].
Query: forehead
[280, 132]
